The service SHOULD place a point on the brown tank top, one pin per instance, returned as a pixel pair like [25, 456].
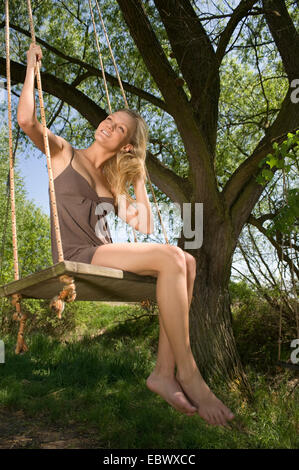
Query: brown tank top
[81, 214]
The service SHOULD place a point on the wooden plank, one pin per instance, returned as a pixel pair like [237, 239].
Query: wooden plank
[92, 283]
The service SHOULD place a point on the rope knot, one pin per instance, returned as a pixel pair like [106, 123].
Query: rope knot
[21, 317]
[68, 294]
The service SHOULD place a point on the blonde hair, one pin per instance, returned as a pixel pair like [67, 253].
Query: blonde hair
[125, 167]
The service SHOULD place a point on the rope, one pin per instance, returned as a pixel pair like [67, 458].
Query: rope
[112, 56]
[5, 224]
[16, 298]
[100, 57]
[155, 200]
[68, 292]
[11, 162]
[123, 93]
[46, 144]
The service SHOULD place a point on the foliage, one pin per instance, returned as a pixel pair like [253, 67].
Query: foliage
[98, 381]
[285, 158]
[255, 326]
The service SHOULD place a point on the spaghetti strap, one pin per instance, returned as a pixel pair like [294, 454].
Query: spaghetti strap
[73, 153]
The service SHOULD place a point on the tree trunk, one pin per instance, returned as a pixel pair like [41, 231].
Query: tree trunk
[210, 318]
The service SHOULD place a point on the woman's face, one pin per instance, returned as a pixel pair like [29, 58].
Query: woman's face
[115, 132]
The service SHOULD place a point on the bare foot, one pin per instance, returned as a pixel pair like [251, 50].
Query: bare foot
[169, 389]
[210, 408]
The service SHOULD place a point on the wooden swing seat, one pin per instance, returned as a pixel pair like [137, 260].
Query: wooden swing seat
[92, 283]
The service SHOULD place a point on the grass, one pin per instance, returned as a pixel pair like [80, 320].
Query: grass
[95, 376]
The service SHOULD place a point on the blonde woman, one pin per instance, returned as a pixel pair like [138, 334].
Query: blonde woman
[86, 179]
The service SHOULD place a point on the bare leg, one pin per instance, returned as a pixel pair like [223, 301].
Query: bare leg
[165, 366]
[165, 359]
[169, 262]
[173, 305]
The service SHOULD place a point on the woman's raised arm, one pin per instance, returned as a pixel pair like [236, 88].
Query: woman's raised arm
[26, 113]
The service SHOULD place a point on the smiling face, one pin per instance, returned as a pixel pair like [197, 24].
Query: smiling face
[116, 131]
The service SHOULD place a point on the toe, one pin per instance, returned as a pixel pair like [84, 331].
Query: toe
[186, 406]
[221, 419]
[191, 414]
[217, 419]
[210, 419]
[227, 413]
[182, 405]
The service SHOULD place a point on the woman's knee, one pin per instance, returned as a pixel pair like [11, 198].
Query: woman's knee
[176, 257]
[190, 264]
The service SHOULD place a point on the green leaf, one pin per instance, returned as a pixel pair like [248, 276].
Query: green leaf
[268, 175]
[272, 162]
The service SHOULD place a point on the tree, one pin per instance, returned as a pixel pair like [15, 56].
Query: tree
[187, 55]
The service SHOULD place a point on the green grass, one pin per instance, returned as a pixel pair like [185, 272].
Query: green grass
[96, 377]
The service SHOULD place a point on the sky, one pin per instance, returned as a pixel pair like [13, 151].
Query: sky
[35, 177]
[32, 163]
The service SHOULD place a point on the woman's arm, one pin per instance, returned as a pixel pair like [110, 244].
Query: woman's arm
[140, 217]
[144, 212]
[26, 113]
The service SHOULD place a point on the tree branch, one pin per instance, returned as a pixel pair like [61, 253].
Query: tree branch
[239, 13]
[286, 121]
[256, 222]
[195, 55]
[153, 56]
[178, 189]
[284, 34]
[197, 148]
[255, 12]
[272, 301]
[250, 190]
[174, 186]
[64, 91]
[189, 42]
[95, 71]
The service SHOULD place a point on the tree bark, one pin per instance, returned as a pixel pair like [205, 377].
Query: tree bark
[210, 318]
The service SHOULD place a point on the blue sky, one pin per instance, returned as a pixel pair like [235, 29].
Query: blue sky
[35, 176]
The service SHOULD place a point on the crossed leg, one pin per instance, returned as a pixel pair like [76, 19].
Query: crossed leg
[169, 265]
[164, 369]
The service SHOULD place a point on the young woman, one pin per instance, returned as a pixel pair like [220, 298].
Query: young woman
[100, 174]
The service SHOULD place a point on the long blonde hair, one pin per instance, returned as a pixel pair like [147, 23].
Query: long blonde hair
[122, 169]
